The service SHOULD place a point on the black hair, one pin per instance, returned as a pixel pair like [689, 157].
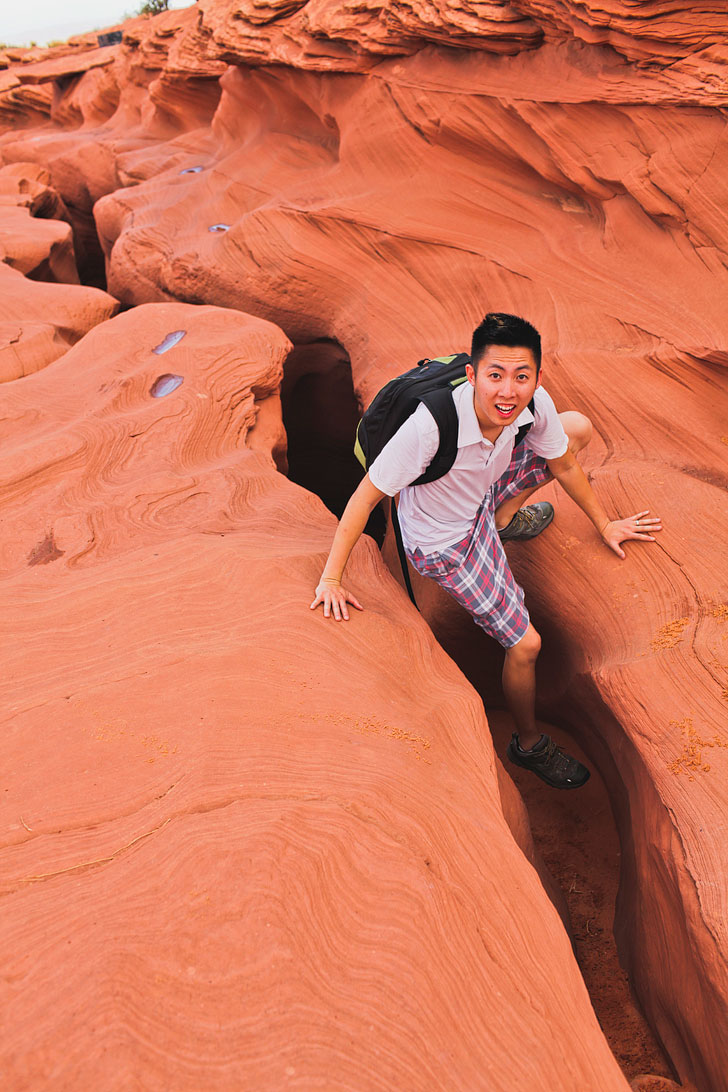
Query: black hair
[500, 329]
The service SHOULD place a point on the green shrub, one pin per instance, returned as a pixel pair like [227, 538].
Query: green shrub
[153, 7]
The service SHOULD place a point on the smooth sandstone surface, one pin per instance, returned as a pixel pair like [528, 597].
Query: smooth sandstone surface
[37, 248]
[369, 189]
[39, 321]
[231, 860]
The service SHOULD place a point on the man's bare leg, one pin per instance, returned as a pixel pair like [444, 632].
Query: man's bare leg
[578, 428]
[519, 686]
[549, 762]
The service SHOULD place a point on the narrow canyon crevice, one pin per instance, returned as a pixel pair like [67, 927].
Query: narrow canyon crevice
[576, 833]
[320, 415]
[89, 254]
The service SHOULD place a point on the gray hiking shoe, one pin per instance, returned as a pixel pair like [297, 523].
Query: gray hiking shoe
[549, 762]
[528, 522]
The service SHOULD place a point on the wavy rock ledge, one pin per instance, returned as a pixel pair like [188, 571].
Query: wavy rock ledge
[340, 174]
[229, 857]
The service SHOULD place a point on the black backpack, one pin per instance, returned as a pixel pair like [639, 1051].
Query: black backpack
[431, 382]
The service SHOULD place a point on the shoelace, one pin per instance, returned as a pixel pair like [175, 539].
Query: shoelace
[551, 748]
[551, 751]
[529, 516]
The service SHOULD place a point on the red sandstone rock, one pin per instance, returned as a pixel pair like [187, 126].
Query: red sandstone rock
[581, 182]
[42, 249]
[650, 1083]
[39, 322]
[654, 31]
[283, 867]
[394, 272]
[127, 99]
[8, 80]
[24, 105]
[65, 66]
[327, 36]
[27, 185]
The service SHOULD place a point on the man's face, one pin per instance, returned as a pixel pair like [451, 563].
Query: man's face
[504, 385]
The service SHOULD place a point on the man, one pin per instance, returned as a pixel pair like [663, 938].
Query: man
[453, 528]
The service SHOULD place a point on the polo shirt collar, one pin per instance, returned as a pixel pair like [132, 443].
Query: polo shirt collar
[468, 426]
[524, 418]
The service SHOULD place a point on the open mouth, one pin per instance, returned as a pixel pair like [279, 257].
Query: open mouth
[505, 409]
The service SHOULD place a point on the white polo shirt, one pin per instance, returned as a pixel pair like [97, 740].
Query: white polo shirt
[440, 513]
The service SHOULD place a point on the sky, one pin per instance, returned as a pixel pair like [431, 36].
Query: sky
[44, 21]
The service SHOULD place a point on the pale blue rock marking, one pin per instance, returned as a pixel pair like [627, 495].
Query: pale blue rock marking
[165, 384]
[169, 342]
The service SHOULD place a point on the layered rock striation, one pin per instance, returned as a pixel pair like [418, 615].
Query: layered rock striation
[231, 860]
[374, 178]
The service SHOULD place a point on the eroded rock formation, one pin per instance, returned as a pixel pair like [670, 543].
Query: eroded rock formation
[39, 321]
[227, 856]
[338, 172]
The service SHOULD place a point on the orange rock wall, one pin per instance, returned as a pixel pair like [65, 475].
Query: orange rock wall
[369, 187]
[231, 859]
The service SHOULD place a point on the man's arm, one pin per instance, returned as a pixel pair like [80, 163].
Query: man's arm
[353, 521]
[572, 478]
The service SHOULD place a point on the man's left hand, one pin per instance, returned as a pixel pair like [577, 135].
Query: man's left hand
[637, 527]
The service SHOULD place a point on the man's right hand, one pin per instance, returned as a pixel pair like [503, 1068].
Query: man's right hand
[351, 525]
[334, 598]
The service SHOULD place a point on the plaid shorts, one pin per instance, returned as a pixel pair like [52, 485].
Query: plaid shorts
[475, 570]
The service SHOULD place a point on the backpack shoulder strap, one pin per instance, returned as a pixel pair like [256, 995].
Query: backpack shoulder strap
[521, 434]
[442, 407]
[401, 551]
[439, 402]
